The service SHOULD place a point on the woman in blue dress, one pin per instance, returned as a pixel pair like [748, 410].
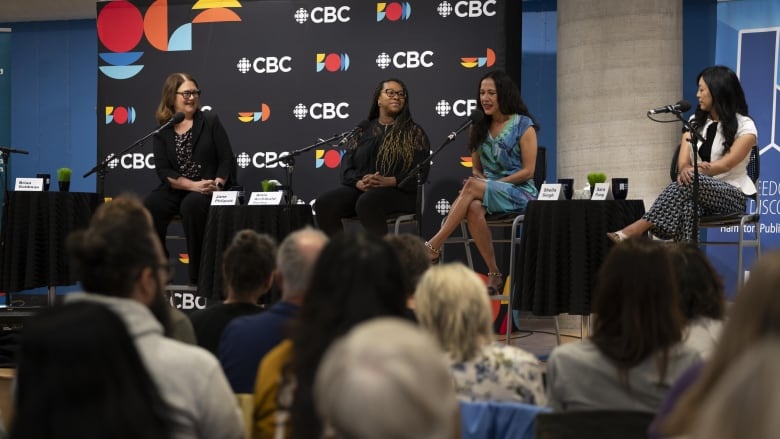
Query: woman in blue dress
[503, 153]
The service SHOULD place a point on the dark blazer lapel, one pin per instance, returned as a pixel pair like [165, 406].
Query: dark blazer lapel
[197, 128]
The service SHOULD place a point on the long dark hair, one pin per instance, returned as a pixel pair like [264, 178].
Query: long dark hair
[399, 142]
[509, 102]
[728, 98]
[80, 375]
[699, 284]
[635, 301]
[357, 277]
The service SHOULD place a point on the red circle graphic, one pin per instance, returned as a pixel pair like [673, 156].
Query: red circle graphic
[120, 115]
[332, 159]
[332, 62]
[393, 11]
[120, 26]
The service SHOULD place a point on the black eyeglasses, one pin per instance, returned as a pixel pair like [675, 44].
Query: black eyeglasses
[393, 93]
[189, 93]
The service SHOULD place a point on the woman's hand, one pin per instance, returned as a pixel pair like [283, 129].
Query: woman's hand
[377, 180]
[205, 187]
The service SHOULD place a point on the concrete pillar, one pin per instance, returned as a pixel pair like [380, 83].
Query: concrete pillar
[616, 60]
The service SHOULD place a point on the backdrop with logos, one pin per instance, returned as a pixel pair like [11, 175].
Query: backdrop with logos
[284, 74]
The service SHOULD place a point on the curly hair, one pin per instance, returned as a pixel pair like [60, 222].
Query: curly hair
[509, 102]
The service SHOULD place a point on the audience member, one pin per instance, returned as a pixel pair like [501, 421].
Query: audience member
[356, 278]
[79, 375]
[635, 352]
[702, 298]
[746, 400]
[248, 266]
[393, 389]
[414, 259]
[754, 316]
[247, 339]
[120, 263]
[452, 304]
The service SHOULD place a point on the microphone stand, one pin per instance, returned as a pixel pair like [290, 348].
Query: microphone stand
[289, 161]
[102, 167]
[694, 145]
[417, 171]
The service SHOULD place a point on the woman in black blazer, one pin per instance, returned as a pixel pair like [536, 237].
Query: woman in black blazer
[193, 158]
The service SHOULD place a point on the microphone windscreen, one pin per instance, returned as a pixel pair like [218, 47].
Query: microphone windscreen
[364, 124]
[178, 117]
[684, 105]
[476, 116]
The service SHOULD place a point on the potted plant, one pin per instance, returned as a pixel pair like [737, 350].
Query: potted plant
[596, 177]
[63, 179]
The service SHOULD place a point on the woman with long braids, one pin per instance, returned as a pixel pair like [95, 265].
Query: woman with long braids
[503, 154]
[388, 147]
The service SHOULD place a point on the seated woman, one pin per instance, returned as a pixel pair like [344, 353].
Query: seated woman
[450, 301]
[503, 155]
[635, 352]
[193, 159]
[721, 118]
[80, 375]
[374, 165]
[702, 299]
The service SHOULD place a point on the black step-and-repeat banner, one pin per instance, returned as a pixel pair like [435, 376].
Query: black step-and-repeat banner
[284, 74]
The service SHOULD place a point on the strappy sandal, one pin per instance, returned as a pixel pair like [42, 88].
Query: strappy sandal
[617, 237]
[495, 282]
[434, 253]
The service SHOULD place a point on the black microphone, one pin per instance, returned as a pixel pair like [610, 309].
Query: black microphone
[351, 133]
[13, 150]
[680, 107]
[176, 118]
[475, 117]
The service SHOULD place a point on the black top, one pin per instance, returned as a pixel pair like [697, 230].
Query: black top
[362, 159]
[210, 322]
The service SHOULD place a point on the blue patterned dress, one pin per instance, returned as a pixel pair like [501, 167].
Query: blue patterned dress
[500, 156]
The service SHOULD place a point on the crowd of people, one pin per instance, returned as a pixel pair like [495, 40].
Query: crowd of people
[370, 338]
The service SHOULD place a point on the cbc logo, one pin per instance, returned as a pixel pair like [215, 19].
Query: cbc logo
[468, 8]
[409, 59]
[322, 110]
[461, 107]
[120, 115]
[261, 159]
[132, 161]
[323, 14]
[265, 64]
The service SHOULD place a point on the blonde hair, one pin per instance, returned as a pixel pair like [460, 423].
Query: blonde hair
[452, 302]
[386, 379]
[754, 316]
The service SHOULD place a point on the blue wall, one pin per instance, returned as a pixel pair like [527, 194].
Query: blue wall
[53, 99]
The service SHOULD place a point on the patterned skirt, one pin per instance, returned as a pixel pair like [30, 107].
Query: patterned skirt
[672, 212]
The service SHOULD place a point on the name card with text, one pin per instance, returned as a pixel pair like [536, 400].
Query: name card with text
[29, 185]
[224, 198]
[601, 192]
[550, 191]
[266, 198]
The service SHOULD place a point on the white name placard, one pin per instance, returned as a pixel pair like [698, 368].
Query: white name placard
[602, 192]
[29, 185]
[224, 198]
[266, 198]
[551, 191]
